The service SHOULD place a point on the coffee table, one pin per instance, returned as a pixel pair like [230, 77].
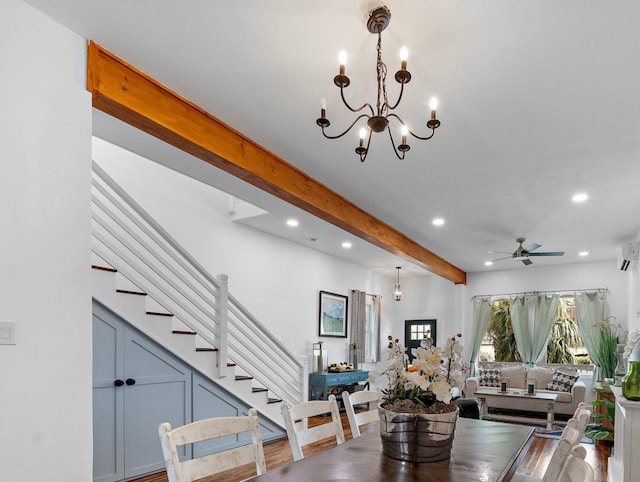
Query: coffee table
[543, 399]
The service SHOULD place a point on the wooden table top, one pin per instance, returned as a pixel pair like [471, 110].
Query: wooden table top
[482, 451]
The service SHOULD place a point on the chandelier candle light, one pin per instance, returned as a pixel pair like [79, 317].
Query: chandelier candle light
[378, 118]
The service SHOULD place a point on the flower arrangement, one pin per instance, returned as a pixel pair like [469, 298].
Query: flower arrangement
[425, 386]
[631, 343]
[606, 346]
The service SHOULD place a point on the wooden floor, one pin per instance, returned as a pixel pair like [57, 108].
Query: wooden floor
[278, 453]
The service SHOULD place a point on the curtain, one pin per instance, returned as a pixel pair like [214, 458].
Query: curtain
[519, 324]
[590, 308]
[481, 312]
[357, 319]
[545, 315]
[532, 317]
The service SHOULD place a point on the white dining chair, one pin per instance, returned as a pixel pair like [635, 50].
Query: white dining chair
[580, 418]
[356, 419]
[296, 421]
[207, 429]
[568, 440]
[576, 468]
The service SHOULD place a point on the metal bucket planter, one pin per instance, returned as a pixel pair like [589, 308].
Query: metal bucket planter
[417, 437]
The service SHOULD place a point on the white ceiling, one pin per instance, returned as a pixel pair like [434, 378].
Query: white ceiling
[538, 101]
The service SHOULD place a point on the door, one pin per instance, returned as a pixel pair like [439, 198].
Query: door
[137, 385]
[108, 400]
[417, 330]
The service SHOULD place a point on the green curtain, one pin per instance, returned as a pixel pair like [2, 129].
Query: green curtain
[532, 317]
[481, 312]
[519, 324]
[545, 314]
[591, 307]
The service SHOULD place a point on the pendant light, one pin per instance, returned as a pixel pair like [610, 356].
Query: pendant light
[398, 293]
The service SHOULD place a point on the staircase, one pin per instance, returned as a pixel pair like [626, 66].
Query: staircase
[142, 274]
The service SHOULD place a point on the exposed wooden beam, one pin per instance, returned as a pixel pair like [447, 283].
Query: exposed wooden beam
[124, 92]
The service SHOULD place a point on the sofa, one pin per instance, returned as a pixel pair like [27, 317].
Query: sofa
[563, 382]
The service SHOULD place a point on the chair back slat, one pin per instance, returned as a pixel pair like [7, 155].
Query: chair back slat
[576, 468]
[189, 470]
[296, 422]
[356, 419]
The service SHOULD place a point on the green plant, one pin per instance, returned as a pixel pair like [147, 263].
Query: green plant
[565, 335]
[564, 338]
[598, 431]
[501, 332]
[607, 346]
[425, 385]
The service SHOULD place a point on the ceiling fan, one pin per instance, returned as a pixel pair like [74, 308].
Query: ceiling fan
[522, 253]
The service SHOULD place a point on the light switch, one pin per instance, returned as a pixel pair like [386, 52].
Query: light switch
[7, 333]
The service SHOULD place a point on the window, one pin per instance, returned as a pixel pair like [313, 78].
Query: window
[372, 330]
[565, 344]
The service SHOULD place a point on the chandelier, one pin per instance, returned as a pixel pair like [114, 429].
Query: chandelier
[378, 119]
[398, 292]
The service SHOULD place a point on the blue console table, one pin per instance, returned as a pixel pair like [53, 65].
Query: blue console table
[321, 385]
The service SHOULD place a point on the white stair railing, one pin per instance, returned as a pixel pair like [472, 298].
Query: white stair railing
[126, 237]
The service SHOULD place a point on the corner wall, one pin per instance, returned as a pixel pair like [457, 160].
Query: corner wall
[45, 133]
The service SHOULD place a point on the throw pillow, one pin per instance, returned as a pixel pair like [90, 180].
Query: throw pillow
[489, 377]
[562, 382]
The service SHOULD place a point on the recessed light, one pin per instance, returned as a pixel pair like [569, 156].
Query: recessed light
[292, 222]
[488, 263]
[583, 253]
[346, 245]
[580, 197]
[437, 222]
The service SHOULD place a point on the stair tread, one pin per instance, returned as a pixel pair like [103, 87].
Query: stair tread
[259, 389]
[159, 313]
[243, 377]
[130, 292]
[204, 348]
[274, 400]
[104, 268]
[181, 332]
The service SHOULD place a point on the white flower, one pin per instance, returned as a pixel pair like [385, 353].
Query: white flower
[430, 378]
[442, 390]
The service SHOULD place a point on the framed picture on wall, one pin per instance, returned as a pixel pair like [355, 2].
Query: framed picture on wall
[332, 315]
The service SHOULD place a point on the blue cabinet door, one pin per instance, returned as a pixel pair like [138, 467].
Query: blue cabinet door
[161, 393]
[108, 400]
[155, 387]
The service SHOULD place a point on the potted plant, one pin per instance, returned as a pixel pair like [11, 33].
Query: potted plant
[599, 431]
[418, 412]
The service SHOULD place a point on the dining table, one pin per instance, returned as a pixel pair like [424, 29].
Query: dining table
[483, 450]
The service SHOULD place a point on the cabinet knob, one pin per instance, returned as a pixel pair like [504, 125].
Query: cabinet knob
[130, 381]
[118, 383]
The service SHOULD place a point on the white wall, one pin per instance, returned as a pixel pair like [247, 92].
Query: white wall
[45, 134]
[276, 279]
[565, 277]
[634, 295]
